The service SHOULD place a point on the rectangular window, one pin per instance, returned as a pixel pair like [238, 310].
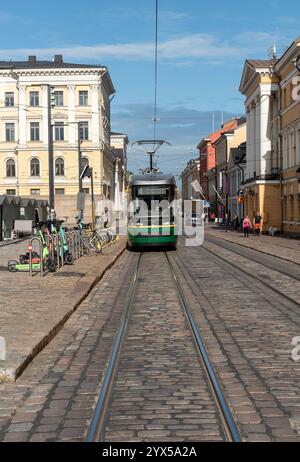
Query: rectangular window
[34, 98]
[9, 99]
[84, 131]
[59, 98]
[11, 192]
[35, 192]
[34, 131]
[59, 133]
[60, 191]
[83, 98]
[10, 132]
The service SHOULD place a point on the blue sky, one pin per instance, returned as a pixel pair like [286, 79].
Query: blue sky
[202, 48]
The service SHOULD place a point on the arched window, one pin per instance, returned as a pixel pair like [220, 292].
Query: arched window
[35, 167]
[10, 168]
[60, 167]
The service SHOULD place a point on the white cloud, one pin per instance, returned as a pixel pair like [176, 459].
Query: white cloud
[193, 46]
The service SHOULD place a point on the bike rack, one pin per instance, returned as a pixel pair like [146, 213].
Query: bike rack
[74, 243]
[32, 240]
[50, 244]
[56, 238]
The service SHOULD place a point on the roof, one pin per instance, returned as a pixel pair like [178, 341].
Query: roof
[260, 63]
[22, 201]
[45, 65]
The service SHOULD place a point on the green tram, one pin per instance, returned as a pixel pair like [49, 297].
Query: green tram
[152, 211]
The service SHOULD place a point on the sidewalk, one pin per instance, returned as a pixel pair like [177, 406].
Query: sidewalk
[33, 310]
[281, 247]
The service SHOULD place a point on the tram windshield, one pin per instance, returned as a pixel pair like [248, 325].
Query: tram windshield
[158, 201]
[150, 193]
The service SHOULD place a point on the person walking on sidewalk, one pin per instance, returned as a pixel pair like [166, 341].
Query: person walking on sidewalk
[246, 226]
[257, 223]
[236, 223]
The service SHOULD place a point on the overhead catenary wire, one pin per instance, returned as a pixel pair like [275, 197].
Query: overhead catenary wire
[155, 120]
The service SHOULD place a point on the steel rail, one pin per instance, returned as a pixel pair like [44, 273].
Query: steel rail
[96, 428]
[262, 281]
[226, 245]
[230, 428]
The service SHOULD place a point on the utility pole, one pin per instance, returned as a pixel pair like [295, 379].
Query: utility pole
[79, 157]
[50, 155]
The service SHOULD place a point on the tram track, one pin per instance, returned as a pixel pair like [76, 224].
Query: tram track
[289, 269]
[99, 421]
[257, 277]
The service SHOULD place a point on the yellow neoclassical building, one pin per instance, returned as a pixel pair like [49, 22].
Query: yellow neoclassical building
[272, 184]
[80, 118]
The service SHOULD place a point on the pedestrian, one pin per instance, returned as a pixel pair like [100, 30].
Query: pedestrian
[246, 226]
[257, 223]
[236, 223]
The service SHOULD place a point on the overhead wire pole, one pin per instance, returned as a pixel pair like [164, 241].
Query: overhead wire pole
[50, 156]
[156, 70]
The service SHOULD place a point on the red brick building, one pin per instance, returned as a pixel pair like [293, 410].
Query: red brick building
[207, 156]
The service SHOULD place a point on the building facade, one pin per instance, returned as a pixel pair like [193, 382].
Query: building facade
[208, 172]
[190, 174]
[273, 142]
[119, 144]
[285, 123]
[229, 176]
[80, 119]
[236, 174]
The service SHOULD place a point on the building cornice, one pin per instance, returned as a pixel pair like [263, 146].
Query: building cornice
[47, 72]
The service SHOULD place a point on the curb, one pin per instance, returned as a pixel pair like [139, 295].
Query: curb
[78, 294]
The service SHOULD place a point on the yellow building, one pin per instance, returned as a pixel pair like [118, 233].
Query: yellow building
[80, 118]
[272, 186]
[286, 116]
[262, 177]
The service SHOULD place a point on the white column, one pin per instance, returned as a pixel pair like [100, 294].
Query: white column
[252, 142]
[117, 186]
[95, 114]
[22, 115]
[249, 147]
[44, 128]
[258, 153]
[265, 145]
[71, 115]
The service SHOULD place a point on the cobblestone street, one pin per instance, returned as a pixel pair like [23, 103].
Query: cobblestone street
[160, 391]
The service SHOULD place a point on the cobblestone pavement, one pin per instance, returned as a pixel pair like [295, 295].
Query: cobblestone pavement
[285, 248]
[160, 393]
[286, 285]
[55, 396]
[248, 330]
[33, 309]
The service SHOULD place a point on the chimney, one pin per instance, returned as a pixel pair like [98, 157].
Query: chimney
[32, 59]
[58, 59]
